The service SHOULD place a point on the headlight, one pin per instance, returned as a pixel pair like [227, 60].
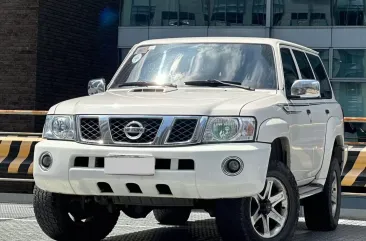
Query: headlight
[59, 127]
[229, 129]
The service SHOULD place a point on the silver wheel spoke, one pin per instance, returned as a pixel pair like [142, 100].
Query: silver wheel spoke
[276, 199]
[256, 198]
[255, 218]
[267, 192]
[265, 221]
[274, 215]
[334, 198]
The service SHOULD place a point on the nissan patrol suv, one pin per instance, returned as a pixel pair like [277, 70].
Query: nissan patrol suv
[247, 129]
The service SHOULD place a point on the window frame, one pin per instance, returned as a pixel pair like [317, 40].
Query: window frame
[296, 67]
[291, 48]
[326, 74]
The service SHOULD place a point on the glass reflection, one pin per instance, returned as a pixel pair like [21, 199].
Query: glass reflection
[301, 12]
[249, 64]
[349, 12]
[237, 12]
[349, 63]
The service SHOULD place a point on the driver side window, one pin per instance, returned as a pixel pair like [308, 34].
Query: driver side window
[289, 69]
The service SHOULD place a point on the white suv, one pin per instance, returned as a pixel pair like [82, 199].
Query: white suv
[247, 129]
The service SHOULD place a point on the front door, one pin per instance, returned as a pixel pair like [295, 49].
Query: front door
[301, 147]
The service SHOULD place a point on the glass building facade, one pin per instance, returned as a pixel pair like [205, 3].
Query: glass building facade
[335, 28]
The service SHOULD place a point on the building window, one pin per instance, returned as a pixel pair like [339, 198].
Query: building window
[349, 12]
[301, 13]
[351, 96]
[237, 12]
[164, 13]
[135, 13]
[349, 63]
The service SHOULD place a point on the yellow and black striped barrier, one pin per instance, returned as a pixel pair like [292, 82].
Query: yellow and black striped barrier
[354, 173]
[16, 156]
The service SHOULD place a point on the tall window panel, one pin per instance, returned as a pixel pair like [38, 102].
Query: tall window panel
[179, 13]
[302, 13]
[135, 12]
[349, 12]
[352, 97]
[349, 63]
[237, 12]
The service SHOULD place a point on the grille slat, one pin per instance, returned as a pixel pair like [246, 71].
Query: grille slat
[151, 127]
[89, 128]
[183, 130]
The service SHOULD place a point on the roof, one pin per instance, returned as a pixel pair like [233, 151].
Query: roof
[270, 41]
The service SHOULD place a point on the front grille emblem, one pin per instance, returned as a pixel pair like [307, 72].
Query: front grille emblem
[134, 130]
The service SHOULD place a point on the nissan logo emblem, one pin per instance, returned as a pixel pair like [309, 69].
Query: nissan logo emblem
[134, 130]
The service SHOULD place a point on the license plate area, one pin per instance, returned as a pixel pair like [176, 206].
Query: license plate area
[142, 165]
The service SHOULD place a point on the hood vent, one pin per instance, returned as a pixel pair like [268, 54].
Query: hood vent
[153, 90]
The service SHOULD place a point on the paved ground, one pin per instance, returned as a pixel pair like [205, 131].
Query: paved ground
[17, 223]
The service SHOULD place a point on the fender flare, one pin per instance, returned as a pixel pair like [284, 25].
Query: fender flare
[334, 129]
[271, 129]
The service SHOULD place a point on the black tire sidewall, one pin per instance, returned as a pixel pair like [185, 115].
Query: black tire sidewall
[334, 167]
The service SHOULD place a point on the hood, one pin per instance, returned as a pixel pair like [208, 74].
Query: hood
[182, 101]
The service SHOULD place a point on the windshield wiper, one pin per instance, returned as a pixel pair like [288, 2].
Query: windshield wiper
[144, 83]
[215, 82]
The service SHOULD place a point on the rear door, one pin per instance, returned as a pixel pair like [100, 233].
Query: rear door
[323, 107]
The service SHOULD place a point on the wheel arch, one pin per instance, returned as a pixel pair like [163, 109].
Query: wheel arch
[276, 131]
[334, 141]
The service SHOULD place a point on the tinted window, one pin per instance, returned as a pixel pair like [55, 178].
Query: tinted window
[321, 76]
[289, 69]
[302, 13]
[349, 63]
[304, 66]
[249, 64]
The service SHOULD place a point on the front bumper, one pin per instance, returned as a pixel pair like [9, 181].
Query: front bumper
[205, 181]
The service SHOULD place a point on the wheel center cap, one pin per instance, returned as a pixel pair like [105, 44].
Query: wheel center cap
[266, 207]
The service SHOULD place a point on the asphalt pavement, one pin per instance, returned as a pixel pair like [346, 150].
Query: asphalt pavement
[17, 223]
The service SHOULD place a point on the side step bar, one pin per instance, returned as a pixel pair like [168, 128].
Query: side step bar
[307, 191]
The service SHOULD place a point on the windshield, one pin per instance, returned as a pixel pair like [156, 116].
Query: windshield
[250, 65]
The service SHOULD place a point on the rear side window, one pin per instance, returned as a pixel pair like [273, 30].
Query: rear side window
[321, 76]
[304, 66]
[289, 69]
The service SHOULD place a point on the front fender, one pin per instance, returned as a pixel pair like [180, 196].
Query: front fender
[271, 129]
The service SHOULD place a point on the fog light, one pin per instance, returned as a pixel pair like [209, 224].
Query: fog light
[232, 166]
[46, 161]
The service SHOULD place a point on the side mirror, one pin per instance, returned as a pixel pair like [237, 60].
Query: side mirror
[305, 88]
[96, 86]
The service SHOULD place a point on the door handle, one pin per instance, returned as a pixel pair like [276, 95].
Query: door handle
[327, 111]
[308, 111]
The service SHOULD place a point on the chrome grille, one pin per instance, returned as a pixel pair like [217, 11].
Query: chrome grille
[140, 130]
[182, 130]
[151, 127]
[89, 128]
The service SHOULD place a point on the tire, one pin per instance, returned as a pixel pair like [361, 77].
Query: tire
[172, 216]
[233, 216]
[318, 209]
[52, 214]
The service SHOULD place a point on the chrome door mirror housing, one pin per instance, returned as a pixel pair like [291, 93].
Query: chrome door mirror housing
[305, 88]
[96, 86]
